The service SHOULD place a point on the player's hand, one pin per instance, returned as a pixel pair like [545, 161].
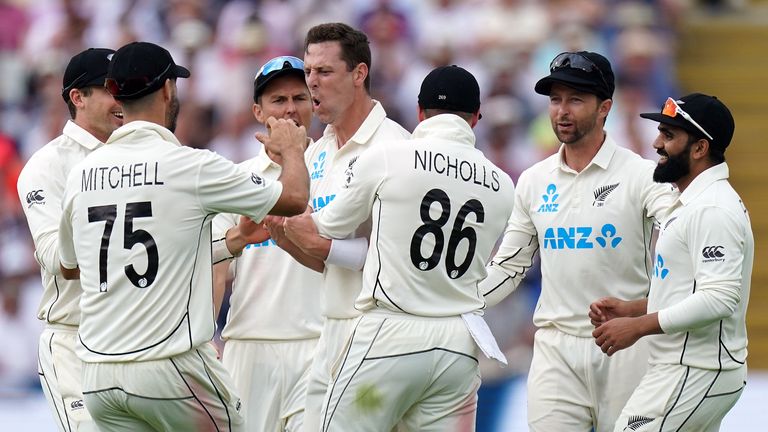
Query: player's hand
[251, 231]
[607, 308]
[274, 225]
[301, 230]
[616, 335]
[284, 136]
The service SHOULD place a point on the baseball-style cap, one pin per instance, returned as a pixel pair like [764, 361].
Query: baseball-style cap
[450, 88]
[86, 69]
[699, 114]
[141, 68]
[277, 67]
[583, 70]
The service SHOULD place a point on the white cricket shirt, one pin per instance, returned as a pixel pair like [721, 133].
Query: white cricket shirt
[592, 229]
[41, 189]
[328, 164]
[701, 278]
[273, 296]
[438, 208]
[137, 220]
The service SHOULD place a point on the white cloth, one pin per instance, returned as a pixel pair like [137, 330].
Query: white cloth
[41, 190]
[328, 166]
[136, 218]
[592, 230]
[673, 397]
[438, 208]
[702, 277]
[273, 296]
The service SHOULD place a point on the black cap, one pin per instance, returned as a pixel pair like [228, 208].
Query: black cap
[275, 68]
[450, 88]
[86, 69]
[583, 70]
[708, 111]
[141, 68]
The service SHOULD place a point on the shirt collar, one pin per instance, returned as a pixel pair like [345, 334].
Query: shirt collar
[703, 181]
[81, 136]
[446, 126]
[366, 130]
[601, 159]
[143, 127]
[263, 162]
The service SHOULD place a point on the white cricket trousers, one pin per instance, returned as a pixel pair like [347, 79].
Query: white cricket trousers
[573, 386]
[682, 398]
[421, 373]
[60, 372]
[271, 378]
[187, 392]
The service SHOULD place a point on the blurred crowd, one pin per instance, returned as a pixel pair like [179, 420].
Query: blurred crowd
[506, 44]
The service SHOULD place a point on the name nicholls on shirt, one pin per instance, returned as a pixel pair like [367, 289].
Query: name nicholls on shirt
[122, 176]
[448, 166]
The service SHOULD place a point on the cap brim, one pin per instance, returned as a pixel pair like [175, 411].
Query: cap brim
[567, 78]
[181, 72]
[678, 121]
[261, 85]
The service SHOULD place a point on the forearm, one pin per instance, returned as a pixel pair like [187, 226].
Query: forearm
[647, 324]
[698, 310]
[302, 257]
[295, 180]
[497, 285]
[636, 308]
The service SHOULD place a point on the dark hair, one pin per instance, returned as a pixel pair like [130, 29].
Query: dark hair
[355, 48]
[716, 155]
[86, 91]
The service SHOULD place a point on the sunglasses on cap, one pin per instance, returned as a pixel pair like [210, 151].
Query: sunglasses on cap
[576, 61]
[672, 109]
[141, 84]
[280, 63]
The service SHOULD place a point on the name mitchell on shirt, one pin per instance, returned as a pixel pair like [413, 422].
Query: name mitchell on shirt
[114, 177]
[452, 167]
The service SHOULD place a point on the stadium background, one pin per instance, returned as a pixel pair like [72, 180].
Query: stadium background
[658, 48]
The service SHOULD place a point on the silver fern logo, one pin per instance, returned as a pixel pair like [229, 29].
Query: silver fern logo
[636, 422]
[602, 193]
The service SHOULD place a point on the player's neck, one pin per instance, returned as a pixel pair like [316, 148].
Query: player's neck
[351, 120]
[579, 154]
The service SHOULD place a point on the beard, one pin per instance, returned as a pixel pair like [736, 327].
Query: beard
[580, 130]
[172, 115]
[676, 167]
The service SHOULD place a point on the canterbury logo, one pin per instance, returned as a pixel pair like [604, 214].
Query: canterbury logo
[712, 252]
[35, 197]
[602, 193]
[78, 404]
[256, 179]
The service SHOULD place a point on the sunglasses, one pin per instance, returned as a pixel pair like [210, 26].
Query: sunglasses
[141, 83]
[672, 109]
[280, 63]
[576, 61]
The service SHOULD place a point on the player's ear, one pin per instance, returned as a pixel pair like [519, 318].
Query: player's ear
[422, 115]
[258, 113]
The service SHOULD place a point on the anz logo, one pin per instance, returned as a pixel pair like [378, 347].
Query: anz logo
[582, 237]
[659, 271]
[318, 167]
[322, 201]
[549, 198]
[269, 242]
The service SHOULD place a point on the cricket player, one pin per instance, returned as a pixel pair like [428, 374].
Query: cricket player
[95, 114]
[589, 210]
[438, 207]
[695, 314]
[274, 318]
[336, 66]
[136, 225]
